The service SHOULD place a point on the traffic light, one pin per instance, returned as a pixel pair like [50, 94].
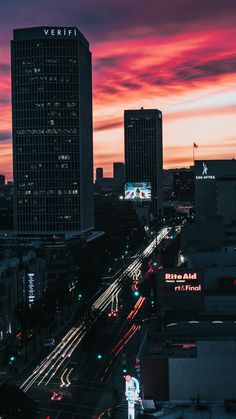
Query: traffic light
[124, 363]
[136, 293]
[12, 359]
[99, 356]
[137, 365]
[80, 296]
[155, 263]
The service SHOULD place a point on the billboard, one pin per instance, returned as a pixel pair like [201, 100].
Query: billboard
[138, 191]
[180, 290]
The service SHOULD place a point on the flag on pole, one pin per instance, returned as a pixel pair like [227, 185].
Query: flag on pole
[195, 145]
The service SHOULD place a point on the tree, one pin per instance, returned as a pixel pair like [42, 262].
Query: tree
[15, 404]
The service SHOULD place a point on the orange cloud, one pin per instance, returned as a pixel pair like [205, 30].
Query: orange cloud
[181, 60]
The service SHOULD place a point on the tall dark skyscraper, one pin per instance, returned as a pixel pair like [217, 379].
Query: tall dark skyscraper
[52, 131]
[143, 152]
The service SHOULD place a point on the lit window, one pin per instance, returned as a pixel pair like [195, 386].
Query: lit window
[64, 157]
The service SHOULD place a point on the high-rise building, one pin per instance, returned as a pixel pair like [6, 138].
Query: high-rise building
[215, 190]
[52, 131]
[119, 173]
[215, 208]
[143, 152]
[99, 174]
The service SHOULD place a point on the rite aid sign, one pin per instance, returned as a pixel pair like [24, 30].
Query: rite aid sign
[180, 289]
[172, 277]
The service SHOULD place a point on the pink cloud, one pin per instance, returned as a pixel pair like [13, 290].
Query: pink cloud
[144, 55]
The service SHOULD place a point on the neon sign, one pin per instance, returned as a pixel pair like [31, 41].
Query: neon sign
[132, 390]
[31, 287]
[172, 277]
[195, 288]
[180, 289]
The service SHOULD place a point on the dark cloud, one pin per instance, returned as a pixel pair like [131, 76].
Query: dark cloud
[213, 68]
[103, 19]
[108, 89]
[179, 72]
[107, 62]
[150, 24]
[4, 69]
[5, 100]
[111, 19]
[5, 135]
[130, 84]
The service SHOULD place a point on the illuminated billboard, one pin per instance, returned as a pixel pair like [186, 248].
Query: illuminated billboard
[138, 191]
[180, 289]
[31, 287]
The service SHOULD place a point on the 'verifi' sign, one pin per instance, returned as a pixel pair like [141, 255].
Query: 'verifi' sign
[180, 289]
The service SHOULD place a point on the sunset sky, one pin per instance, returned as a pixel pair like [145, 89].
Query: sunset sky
[175, 55]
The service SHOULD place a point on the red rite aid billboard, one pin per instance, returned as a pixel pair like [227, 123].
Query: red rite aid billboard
[180, 290]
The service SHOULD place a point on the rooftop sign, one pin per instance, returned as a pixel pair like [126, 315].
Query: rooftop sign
[60, 32]
[205, 174]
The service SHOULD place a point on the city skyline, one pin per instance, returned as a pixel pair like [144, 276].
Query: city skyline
[180, 60]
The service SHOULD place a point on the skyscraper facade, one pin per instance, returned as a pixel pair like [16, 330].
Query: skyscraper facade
[143, 152]
[52, 131]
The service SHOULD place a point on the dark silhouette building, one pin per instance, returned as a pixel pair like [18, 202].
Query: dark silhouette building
[119, 173]
[183, 185]
[99, 174]
[52, 131]
[143, 152]
[2, 180]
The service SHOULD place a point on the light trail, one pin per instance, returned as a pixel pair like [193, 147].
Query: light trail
[67, 378]
[60, 355]
[124, 340]
[63, 383]
[120, 346]
[135, 329]
[136, 308]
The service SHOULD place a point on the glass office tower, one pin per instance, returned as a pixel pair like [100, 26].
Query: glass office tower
[52, 131]
[143, 152]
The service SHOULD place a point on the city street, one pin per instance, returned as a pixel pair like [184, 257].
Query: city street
[54, 375]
